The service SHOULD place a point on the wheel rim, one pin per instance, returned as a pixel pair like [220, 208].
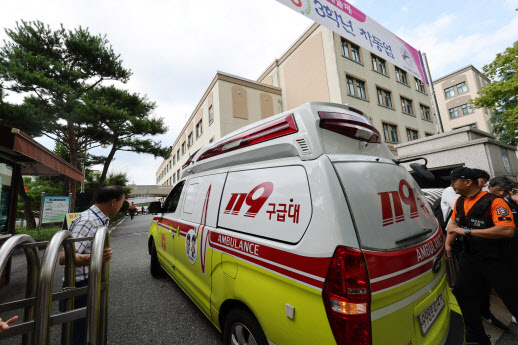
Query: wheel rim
[241, 335]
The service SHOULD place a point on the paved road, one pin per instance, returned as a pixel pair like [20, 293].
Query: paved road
[143, 310]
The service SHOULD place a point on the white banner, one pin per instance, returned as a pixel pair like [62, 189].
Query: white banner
[353, 25]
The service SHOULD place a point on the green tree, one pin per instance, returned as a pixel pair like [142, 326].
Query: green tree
[124, 119]
[54, 69]
[502, 94]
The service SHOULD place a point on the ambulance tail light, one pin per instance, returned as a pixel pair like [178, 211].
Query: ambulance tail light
[351, 125]
[268, 131]
[347, 298]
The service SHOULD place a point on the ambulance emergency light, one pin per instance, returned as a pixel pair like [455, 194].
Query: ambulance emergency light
[271, 130]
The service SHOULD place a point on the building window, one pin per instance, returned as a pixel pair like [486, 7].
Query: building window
[401, 76]
[183, 148]
[351, 51]
[190, 140]
[466, 109]
[378, 64]
[345, 49]
[411, 134]
[384, 97]
[211, 115]
[355, 51]
[178, 156]
[449, 93]
[174, 160]
[406, 106]
[178, 175]
[462, 88]
[356, 88]
[425, 113]
[419, 85]
[428, 134]
[471, 125]
[199, 129]
[211, 140]
[454, 113]
[390, 132]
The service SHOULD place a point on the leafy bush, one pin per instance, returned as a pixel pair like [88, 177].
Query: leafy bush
[45, 234]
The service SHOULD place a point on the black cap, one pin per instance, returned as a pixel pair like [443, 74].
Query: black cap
[462, 172]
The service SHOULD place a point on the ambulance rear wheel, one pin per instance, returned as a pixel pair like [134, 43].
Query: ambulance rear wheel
[155, 268]
[242, 328]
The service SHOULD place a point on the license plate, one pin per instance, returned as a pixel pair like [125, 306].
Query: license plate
[430, 314]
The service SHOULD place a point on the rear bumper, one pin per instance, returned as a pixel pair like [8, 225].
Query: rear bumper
[456, 329]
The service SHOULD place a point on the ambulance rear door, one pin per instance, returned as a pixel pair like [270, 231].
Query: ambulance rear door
[403, 248]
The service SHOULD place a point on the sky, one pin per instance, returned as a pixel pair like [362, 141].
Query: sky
[174, 48]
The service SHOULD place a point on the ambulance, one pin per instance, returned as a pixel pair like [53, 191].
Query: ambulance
[303, 229]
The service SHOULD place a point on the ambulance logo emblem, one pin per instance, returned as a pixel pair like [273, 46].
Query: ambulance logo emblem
[436, 265]
[502, 211]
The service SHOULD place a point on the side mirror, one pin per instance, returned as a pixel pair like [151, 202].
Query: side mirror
[422, 171]
[155, 207]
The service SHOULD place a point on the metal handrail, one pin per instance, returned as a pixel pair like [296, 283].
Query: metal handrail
[97, 304]
[33, 269]
[39, 296]
[44, 294]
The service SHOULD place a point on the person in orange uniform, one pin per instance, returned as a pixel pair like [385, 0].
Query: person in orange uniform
[486, 223]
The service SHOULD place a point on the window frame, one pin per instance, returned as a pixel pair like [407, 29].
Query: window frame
[190, 140]
[420, 86]
[380, 66]
[211, 115]
[454, 110]
[199, 129]
[422, 107]
[174, 194]
[447, 91]
[407, 103]
[412, 131]
[393, 129]
[355, 85]
[353, 51]
[401, 76]
[184, 148]
[464, 88]
[384, 97]
[469, 109]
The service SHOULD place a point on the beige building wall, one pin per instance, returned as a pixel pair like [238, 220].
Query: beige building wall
[315, 69]
[474, 82]
[235, 102]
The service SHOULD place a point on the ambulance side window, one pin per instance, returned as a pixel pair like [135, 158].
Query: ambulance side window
[171, 203]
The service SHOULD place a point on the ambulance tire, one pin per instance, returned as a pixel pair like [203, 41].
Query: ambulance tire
[156, 270]
[242, 321]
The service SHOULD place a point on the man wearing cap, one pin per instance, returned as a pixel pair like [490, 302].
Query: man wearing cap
[486, 221]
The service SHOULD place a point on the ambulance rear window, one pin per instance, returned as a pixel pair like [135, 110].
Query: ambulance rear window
[388, 207]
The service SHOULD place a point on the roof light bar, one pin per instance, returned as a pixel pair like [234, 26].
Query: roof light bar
[350, 125]
[268, 131]
[190, 160]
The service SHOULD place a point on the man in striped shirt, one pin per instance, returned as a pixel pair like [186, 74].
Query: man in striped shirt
[108, 203]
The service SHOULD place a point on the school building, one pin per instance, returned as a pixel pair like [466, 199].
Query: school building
[320, 66]
[453, 92]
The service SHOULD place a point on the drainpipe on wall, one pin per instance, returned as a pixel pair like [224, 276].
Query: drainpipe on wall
[433, 98]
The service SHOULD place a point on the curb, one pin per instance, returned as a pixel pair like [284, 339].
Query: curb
[115, 225]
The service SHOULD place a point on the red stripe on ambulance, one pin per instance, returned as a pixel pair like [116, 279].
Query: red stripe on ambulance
[389, 264]
[256, 253]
